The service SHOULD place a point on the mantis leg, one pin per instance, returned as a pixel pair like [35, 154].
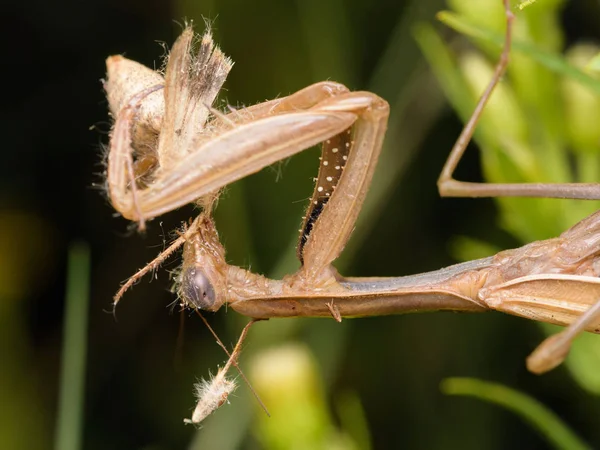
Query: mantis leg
[553, 351]
[449, 187]
[342, 185]
[347, 163]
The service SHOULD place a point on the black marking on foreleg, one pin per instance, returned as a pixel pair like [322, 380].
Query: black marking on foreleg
[334, 155]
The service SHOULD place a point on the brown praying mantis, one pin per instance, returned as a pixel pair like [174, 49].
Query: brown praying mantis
[170, 147]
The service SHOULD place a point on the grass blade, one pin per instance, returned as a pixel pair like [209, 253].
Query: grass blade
[551, 61]
[530, 410]
[72, 381]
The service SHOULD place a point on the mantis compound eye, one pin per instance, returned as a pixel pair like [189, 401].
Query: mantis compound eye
[196, 289]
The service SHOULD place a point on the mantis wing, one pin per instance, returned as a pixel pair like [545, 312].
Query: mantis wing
[555, 298]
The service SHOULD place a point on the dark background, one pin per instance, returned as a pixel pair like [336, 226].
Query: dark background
[138, 379]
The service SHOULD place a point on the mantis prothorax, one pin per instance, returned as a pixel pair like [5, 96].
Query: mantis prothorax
[169, 147]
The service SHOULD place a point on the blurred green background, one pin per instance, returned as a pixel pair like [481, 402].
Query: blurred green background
[369, 383]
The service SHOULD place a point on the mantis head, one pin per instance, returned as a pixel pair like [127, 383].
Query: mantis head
[202, 283]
